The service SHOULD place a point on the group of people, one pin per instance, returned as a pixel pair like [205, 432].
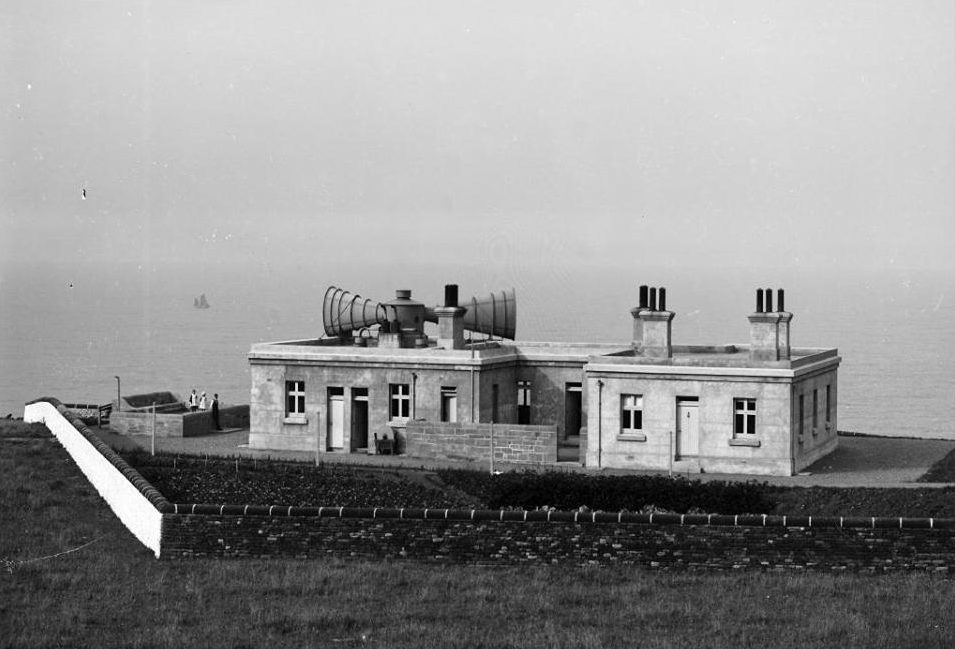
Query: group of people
[200, 402]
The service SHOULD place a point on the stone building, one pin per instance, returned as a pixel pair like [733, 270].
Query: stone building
[761, 408]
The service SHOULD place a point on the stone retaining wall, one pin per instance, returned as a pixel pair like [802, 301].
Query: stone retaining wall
[564, 542]
[513, 443]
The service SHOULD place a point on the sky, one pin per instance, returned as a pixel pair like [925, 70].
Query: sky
[707, 134]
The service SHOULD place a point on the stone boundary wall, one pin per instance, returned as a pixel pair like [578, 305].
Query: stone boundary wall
[182, 424]
[492, 538]
[513, 443]
[130, 497]
[498, 537]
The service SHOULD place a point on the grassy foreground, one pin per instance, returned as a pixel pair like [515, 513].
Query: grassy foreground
[106, 590]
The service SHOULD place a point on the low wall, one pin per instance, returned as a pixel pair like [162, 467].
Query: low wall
[130, 497]
[513, 443]
[514, 537]
[669, 541]
[187, 424]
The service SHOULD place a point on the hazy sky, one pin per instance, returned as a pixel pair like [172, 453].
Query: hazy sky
[707, 133]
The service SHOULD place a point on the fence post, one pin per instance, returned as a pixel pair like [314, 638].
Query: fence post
[153, 440]
[492, 448]
[318, 434]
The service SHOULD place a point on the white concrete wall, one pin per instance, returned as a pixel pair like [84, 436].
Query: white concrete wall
[133, 508]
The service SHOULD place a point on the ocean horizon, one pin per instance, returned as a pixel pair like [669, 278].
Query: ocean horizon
[66, 330]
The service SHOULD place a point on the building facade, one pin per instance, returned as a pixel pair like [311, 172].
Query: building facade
[763, 408]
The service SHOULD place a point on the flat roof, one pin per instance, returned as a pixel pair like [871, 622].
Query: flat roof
[716, 356]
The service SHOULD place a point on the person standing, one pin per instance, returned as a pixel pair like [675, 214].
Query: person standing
[215, 411]
[193, 401]
[202, 401]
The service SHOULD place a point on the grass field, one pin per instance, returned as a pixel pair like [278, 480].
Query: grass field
[71, 575]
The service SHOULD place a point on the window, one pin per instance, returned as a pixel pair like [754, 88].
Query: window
[631, 413]
[828, 404]
[802, 414]
[745, 417]
[494, 404]
[449, 404]
[523, 402]
[295, 398]
[815, 410]
[400, 400]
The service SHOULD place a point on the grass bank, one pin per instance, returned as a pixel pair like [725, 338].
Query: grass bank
[73, 576]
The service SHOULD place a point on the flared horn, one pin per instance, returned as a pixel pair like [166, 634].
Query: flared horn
[494, 314]
[344, 312]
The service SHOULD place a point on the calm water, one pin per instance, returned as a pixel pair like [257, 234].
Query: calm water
[67, 331]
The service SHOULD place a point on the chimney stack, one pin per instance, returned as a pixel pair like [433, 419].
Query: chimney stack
[656, 327]
[450, 320]
[768, 329]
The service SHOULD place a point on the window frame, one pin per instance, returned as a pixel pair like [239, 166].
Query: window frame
[295, 399]
[745, 410]
[629, 412]
[802, 416]
[828, 404]
[399, 400]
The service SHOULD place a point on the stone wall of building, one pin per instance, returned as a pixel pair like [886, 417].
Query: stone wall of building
[512, 443]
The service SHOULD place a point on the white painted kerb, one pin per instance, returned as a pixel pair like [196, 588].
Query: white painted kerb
[133, 508]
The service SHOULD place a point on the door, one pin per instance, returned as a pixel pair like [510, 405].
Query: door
[336, 419]
[359, 419]
[687, 427]
[449, 404]
[572, 407]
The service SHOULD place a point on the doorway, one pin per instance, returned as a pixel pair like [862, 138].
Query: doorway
[573, 402]
[687, 427]
[336, 418]
[449, 404]
[359, 419]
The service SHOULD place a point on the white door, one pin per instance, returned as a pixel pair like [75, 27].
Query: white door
[687, 429]
[336, 421]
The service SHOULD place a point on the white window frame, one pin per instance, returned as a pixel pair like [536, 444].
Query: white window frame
[399, 400]
[748, 409]
[295, 399]
[631, 407]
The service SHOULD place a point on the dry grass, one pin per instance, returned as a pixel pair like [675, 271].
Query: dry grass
[113, 593]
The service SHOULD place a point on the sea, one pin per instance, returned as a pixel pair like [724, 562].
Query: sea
[68, 330]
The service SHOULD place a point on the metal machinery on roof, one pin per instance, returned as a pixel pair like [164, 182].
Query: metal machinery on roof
[345, 313]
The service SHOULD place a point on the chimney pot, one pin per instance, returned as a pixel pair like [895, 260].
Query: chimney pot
[450, 295]
[769, 300]
[643, 295]
[780, 300]
[663, 299]
[759, 300]
[653, 298]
